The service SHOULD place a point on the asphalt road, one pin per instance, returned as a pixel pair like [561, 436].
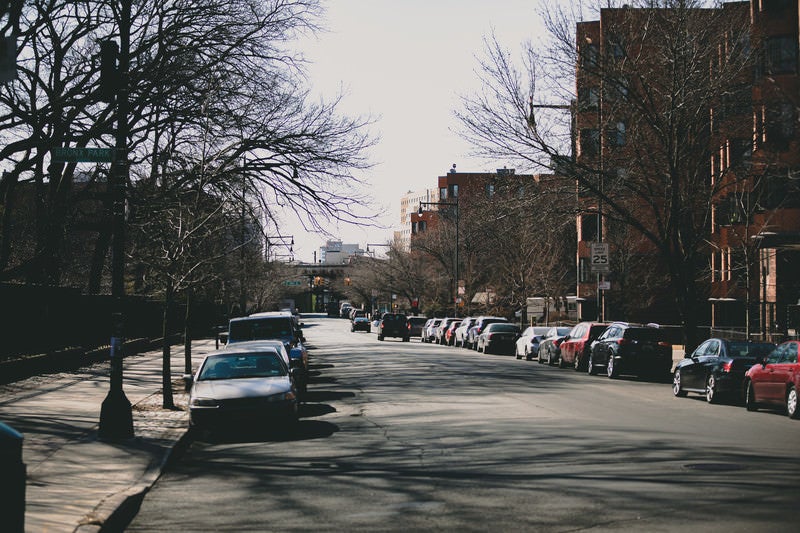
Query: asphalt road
[409, 436]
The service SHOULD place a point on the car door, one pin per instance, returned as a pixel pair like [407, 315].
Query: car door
[569, 346]
[766, 384]
[781, 372]
[693, 375]
[600, 349]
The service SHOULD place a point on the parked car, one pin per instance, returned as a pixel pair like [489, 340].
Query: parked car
[717, 367]
[549, 347]
[394, 325]
[576, 347]
[428, 333]
[480, 323]
[438, 332]
[450, 333]
[361, 323]
[243, 384]
[462, 331]
[258, 326]
[527, 345]
[775, 380]
[498, 337]
[416, 324]
[631, 349]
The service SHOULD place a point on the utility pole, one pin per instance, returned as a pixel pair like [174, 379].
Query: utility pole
[116, 417]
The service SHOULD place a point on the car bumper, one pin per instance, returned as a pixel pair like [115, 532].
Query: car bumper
[238, 412]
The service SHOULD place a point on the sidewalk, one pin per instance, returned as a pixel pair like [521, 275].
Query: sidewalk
[76, 482]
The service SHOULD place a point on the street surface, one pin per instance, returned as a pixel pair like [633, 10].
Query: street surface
[409, 436]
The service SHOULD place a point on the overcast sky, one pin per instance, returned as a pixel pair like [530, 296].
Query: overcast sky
[406, 62]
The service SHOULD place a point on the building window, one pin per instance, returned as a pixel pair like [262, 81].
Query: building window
[779, 125]
[490, 190]
[617, 134]
[588, 98]
[616, 47]
[590, 142]
[774, 6]
[443, 193]
[453, 191]
[781, 55]
[617, 89]
[584, 270]
[589, 55]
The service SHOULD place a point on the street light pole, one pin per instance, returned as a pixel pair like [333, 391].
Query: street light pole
[455, 280]
[116, 416]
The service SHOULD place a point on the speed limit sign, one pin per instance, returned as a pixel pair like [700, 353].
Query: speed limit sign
[599, 259]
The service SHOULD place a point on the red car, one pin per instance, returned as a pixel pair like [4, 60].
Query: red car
[576, 346]
[775, 380]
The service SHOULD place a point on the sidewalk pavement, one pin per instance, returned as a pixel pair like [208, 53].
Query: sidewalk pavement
[75, 482]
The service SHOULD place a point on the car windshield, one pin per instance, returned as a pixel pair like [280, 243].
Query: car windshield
[394, 318]
[749, 349]
[242, 365]
[494, 328]
[260, 328]
[644, 334]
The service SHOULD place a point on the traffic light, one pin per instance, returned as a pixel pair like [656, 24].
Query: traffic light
[8, 59]
[109, 76]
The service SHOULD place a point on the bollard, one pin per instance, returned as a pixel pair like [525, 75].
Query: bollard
[12, 482]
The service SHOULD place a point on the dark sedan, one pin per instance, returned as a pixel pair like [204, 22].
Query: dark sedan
[498, 337]
[717, 368]
[361, 323]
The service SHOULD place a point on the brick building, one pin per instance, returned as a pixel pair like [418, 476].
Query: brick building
[754, 164]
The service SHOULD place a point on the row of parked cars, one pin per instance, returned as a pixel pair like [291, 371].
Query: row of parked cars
[257, 377]
[752, 373]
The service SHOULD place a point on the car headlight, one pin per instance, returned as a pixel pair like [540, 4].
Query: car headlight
[204, 402]
[284, 396]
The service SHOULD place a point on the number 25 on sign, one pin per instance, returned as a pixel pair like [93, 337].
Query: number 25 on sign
[600, 262]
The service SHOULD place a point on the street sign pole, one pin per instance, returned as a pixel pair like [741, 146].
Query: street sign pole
[116, 414]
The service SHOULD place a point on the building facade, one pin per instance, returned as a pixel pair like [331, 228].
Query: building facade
[753, 138]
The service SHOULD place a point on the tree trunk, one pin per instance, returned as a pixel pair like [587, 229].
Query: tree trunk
[166, 374]
[187, 335]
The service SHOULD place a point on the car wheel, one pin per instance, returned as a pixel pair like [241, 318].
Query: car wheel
[539, 358]
[791, 403]
[677, 390]
[380, 337]
[516, 353]
[711, 389]
[561, 363]
[590, 367]
[612, 370]
[577, 363]
[528, 355]
[750, 397]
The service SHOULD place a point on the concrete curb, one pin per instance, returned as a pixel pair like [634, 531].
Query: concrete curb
[118, 510]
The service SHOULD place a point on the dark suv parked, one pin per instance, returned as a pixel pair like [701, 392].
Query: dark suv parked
[394, 325]
[632, 349]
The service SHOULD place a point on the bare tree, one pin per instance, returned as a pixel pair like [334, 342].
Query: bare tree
[654, 76]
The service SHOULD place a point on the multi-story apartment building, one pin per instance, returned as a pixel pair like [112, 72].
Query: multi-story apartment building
[756, 224]
[409, 203]
[751, 127]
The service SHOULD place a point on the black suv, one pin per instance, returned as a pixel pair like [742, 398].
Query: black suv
[632, 349]
[394, 325]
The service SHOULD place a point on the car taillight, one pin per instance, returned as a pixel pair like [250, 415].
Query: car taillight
[726, 367]
[665, 344]
[623, 341]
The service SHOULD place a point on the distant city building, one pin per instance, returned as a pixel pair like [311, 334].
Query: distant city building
[337, 253]
[409, 204]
